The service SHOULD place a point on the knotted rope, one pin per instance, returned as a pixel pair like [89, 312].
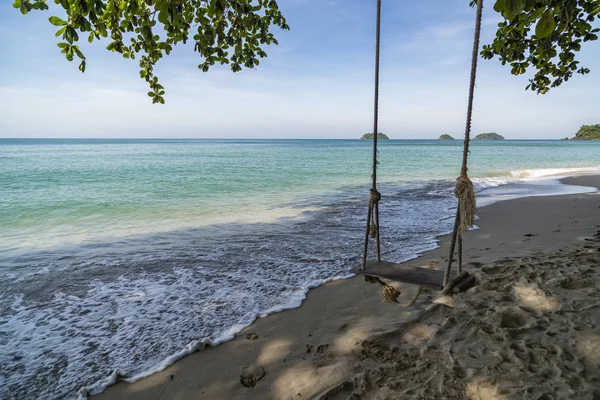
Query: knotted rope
[465, 212]
[466, 202]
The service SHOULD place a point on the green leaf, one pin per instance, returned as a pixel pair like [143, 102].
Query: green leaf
[17, 4]
[515, 7]
[78, 52]
[60, 31]
[536, 14]
[57, 21]
[163, 16]
[82, 66]
[499, 6]
[545, 25]
[529, 4]
[507, 13]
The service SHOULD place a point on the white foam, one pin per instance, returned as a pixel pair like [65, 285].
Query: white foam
[488, 182]
[531, 175]
[294, 301]
[535, 174]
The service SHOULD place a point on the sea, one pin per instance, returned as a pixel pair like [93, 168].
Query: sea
[118, 257]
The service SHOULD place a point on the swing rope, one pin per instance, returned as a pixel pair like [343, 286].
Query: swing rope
[465, 212]
[388, 293]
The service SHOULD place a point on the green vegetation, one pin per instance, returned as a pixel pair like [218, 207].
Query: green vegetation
[380, 135]
[445, 137]
[489, 136]
[541, 35]
[222, 31]
[588, 132]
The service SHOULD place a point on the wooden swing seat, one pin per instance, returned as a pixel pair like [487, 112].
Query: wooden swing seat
[414, 275]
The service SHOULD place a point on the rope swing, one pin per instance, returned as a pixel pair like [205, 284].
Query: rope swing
[464, 191]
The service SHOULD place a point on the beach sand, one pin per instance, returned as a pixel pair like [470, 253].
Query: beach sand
[530, 329]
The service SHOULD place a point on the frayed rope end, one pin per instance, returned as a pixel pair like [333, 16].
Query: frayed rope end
[466, 202]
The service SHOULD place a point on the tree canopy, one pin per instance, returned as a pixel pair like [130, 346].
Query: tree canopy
[223, 31]
[543, 35]
[540, 34]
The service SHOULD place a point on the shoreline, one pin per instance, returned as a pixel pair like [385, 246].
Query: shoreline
[297, 348]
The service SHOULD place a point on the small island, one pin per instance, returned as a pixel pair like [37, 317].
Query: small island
[588, 132]
[380, 135]
[445, 137]
[489, 136]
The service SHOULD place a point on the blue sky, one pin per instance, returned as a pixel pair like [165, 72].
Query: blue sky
[318, 83]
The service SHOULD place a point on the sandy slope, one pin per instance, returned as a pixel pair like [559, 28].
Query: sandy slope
[529, 330]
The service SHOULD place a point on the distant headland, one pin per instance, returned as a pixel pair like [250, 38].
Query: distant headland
[445, 137]
[380, 135]
[587, 132]
[488, 136]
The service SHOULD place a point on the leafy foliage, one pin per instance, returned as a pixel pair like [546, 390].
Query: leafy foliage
[223, 31]
[489, 136]
[380, 135]
[543, 35]
[588, 132]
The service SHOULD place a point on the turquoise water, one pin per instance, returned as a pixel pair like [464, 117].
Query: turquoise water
[123, 254]
[69, 191]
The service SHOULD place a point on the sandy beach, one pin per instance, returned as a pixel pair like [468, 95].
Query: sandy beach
[530, 329]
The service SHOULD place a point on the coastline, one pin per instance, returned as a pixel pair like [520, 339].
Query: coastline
[307, 350]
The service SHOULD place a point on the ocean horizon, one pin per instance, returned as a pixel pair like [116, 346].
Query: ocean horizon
[119, 256]
[177, 139]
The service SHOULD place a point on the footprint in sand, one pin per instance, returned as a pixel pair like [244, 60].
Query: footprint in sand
[251, 374]
[571, 284]
[321, 355]
[513, 320]
[418, 334]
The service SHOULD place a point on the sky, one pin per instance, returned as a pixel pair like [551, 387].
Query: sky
[318, 83]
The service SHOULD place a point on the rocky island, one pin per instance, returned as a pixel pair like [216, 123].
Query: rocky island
[380, 135]
[588, 132]
[445, 137]
[489, 136]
